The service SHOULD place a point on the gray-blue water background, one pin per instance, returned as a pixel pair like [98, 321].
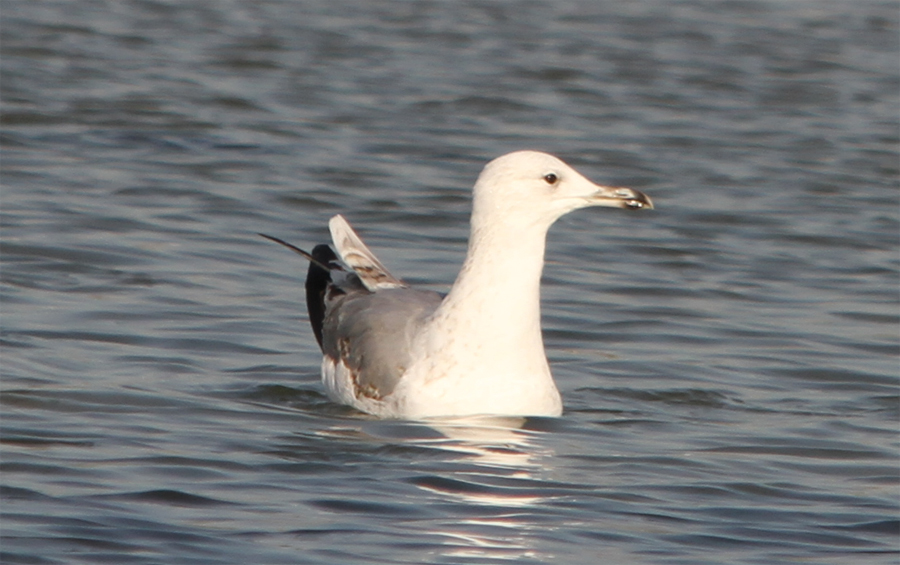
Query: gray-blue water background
[728, 362]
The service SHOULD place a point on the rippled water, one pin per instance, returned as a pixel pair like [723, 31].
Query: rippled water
[729, 362]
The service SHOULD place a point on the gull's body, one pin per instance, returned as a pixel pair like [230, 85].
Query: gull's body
[398, 352]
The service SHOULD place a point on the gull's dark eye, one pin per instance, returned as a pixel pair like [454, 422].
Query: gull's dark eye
[551, 178]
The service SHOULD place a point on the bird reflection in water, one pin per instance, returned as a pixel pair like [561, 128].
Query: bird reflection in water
[493, 474]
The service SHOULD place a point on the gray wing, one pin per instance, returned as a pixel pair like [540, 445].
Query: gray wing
[371, 333]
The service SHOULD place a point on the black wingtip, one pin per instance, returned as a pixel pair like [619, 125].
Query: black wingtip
[318, 277]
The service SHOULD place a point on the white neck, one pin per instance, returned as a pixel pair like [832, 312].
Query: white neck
[494, 304]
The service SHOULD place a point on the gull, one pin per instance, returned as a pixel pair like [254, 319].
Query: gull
[404, 353]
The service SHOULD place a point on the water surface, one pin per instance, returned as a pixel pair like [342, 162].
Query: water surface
[728, 361]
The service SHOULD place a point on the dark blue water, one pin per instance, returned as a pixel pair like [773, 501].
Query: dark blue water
[728, 362]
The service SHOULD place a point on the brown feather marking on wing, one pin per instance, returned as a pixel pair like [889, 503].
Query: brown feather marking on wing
[368, 390]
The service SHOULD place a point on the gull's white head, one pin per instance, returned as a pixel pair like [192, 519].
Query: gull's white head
[538, 188]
